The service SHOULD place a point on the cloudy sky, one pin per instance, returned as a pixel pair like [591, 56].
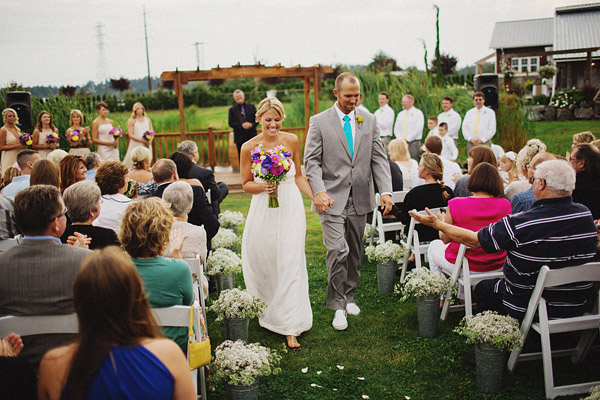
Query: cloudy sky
[55, 42]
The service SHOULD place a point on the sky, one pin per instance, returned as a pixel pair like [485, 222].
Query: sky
[56, 42]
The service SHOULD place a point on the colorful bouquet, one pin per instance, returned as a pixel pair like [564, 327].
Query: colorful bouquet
[116, 132]
[74, 135]
[271, 166]
[25, 138]
[148, 135]
[52, 137]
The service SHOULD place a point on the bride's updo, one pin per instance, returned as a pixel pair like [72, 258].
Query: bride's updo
[269, 103]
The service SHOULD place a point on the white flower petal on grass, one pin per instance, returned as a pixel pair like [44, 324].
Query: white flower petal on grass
[340, 367]
[334, 389]
[304, 370]
[407, 397]
[361, 378]
[315, 385]
[364, 396]
[319, 372]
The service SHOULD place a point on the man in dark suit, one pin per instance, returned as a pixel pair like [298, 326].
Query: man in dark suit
[242, 118]
[36, 276]
[218, 190]
[164, 172]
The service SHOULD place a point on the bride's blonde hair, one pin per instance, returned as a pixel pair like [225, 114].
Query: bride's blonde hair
[270, 103]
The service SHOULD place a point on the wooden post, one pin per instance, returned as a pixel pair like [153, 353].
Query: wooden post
[179, 93]
[317, 85]
[212, 158]
[588, 69]
[306, 102]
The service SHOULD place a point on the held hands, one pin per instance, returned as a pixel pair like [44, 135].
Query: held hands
[386, 203]
[247, 125]
[323, 202]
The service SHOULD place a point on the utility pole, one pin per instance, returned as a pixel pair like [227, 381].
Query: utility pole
[147, 55]
[200, 55]
[101, 66]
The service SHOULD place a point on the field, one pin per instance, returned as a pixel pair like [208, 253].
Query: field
[380, 345]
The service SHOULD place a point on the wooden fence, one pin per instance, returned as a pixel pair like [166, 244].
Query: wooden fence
[215, 148]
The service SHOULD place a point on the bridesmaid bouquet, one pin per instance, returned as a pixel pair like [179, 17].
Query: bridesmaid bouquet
[52, 138]
[116, 132]
[271, 166]
[25, 138]
[148, 135]
[74, 135]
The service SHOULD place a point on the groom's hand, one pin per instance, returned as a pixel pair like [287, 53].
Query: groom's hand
[386, 203]
[323, 201]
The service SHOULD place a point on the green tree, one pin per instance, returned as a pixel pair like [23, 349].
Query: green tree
[437, 60]
[383, 63]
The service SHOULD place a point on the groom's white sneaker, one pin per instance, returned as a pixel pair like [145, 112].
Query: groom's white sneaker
[339, 320]
[352, 309]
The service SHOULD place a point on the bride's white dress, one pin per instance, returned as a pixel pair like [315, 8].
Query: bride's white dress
[274, 261]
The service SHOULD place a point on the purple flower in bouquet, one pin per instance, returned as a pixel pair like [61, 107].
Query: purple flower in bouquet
[52, 137]
[271, 166]
[74, 135]
[116, 132]
[148, 135]
[25, 138]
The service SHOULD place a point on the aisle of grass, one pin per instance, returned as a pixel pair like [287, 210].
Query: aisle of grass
[380, 345]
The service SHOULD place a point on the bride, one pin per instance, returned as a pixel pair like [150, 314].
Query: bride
[273, 257]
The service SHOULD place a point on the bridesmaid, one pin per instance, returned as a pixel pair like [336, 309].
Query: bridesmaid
[137, 125]
[78, 147]
[108, 145]
[42, 129]
[9, 139]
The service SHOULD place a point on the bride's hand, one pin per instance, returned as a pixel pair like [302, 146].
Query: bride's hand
[269, 187]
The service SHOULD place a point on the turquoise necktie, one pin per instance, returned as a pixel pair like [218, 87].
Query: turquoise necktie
[348, 132]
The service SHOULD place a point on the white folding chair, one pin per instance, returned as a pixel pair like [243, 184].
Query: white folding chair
[196, 267]
[461, 275]
[27, 325]
[412, 244]
[208, 197]
[589, 322]
[379, 224]
[179, 316]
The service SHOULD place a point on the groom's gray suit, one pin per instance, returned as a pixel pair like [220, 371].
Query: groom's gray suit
[349, 182]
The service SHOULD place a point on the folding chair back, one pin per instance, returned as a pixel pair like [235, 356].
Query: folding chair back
[379, 224]
[589, 322]
[208, 197]
[27, 325]
[412, 243]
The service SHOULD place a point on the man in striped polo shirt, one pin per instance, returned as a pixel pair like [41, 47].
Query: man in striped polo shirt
[554, 232]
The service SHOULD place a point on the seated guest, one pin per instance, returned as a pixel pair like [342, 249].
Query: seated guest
[202, 214]
[26, 159]
[218, 190]
[140, 157]
[45, 172]
[566, 238]
[184, 166]
[118, 352]
[477, 155]
[9, 175]
[398, 151]
[526, 154]
[92, 163]
[524, 200]
[56, 156]
[72, 170]
[452, 172]
[434, 193]
[111, 179]
[145, 236]
[8, 227]
[37, 275]
[487, 205]
[582, 137]
[585, 160]
[82, 200]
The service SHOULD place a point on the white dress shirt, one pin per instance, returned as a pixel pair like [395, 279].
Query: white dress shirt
[385, 120]
[414, 124]
[449, 149]
[487, 124]
[452, 118]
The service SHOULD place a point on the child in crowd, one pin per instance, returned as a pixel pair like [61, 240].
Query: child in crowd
[581, 137]
[449, 149]
[508, 167]
[432, 126]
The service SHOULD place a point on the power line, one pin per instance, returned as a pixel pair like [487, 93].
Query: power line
[147, 55]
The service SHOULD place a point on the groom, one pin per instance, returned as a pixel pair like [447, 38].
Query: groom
[342, 156]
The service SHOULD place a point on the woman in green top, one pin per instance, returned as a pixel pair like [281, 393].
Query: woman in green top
[144, 235]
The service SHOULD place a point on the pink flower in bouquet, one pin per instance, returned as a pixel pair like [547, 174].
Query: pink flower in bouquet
[148, 135]
[52, 138]
[116, 132]
[277, 170]
[75, 135]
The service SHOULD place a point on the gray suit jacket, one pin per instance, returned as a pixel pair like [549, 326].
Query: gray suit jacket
[36, 278]
[329, 167]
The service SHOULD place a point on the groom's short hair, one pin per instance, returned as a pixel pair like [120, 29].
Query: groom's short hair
[342, 77]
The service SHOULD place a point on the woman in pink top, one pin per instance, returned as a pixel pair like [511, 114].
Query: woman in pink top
[486, 206]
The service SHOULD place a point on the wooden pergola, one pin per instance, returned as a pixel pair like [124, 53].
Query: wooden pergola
[307, 74]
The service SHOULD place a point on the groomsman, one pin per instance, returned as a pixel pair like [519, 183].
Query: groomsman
[409, 126]
[479, 125]
[450, 117]
[385, 119]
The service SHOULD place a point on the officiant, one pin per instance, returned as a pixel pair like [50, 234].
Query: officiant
[242, 118]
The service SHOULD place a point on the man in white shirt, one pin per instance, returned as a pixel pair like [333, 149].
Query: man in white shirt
[409, 126]
[25, 159]
[433, 144]
[479, 125]
[451, 117]
[385, 119]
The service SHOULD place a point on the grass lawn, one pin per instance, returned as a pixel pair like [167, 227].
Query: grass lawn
[380, 345]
